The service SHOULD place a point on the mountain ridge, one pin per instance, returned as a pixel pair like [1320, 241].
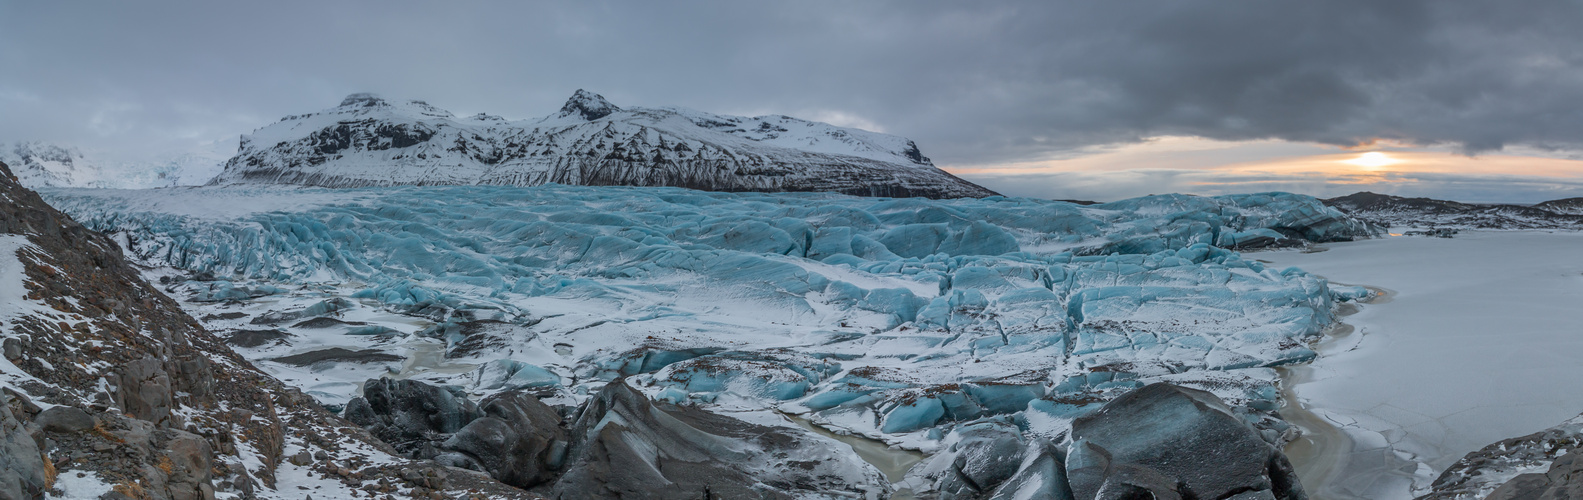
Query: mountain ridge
[1391, 210]
[370, 141]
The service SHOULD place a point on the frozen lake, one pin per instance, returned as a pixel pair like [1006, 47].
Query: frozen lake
[1479, 343]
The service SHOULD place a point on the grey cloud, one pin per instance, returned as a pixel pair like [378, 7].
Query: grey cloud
[1111, 186]
[973, 82]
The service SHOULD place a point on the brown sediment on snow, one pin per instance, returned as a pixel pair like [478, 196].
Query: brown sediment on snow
[1320, 454]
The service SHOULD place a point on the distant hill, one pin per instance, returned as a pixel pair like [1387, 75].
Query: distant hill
[1426, 212]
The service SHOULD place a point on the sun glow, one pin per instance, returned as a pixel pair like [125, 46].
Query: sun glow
[1373, 159]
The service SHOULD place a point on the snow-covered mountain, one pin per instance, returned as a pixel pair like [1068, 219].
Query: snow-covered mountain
[40, 164]
[370, 141]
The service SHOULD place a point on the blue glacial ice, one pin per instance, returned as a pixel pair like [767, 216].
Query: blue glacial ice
[888, 317]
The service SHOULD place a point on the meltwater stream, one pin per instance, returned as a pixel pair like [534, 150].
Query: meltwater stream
[891, 461]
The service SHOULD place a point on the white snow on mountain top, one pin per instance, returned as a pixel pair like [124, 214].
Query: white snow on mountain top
[368, 140]
[44, 164]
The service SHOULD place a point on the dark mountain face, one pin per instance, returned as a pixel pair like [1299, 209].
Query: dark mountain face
[1422, 212]
[1372, 202]
[369, 141]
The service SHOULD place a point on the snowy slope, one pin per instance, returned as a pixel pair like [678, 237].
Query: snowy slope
[40, 164]
[370, 141]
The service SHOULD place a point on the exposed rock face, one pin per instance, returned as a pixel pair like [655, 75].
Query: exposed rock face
[1543, 465]
[369, 141]
[520, 441]
[1174, 442]
[23, 473]
[627, 446]
[1158, 442]
[1419, 212]
[620, 445]
[409, 414]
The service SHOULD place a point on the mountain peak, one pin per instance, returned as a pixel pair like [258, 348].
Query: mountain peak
[588, 105]
[363, 99]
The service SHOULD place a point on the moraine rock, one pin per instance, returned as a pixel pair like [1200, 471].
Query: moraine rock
[22, 464]
[519, 441]
[626, 446]
[1174, 443]
[369, 141]
[1544, 465]
[409, 414]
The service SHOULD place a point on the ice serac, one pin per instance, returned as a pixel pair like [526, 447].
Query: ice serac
[370, 141]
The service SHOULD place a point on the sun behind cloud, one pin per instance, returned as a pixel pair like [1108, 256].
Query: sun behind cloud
[1373, 160]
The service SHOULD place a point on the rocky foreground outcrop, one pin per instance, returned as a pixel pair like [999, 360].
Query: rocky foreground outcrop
[618, 444]
[1545, 465]
[1161, 442]
[107, 382]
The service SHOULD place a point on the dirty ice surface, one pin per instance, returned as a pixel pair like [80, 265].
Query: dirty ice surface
[1478, 343]
[896, 319]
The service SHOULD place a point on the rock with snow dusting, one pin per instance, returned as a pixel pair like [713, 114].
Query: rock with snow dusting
[627, 446]
[1397, 211]
[519, 441]
[410, 414]
[1547, 464]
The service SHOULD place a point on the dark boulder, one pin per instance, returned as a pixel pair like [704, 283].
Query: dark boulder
[985, 454]
[1043, 478]
[64, 419]
[1174, 442]
[626, 446]
[519, 441]
[412, 416]
[21, 464]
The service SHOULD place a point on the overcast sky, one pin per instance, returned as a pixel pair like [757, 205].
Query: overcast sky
[983, 87]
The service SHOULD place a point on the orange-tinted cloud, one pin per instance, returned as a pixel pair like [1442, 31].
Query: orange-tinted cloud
[1177, 164]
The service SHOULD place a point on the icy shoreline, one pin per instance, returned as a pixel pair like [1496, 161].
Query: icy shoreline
[1320, 454]
[1469, 352]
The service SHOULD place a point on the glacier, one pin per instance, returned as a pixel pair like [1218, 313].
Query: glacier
[905, 320]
